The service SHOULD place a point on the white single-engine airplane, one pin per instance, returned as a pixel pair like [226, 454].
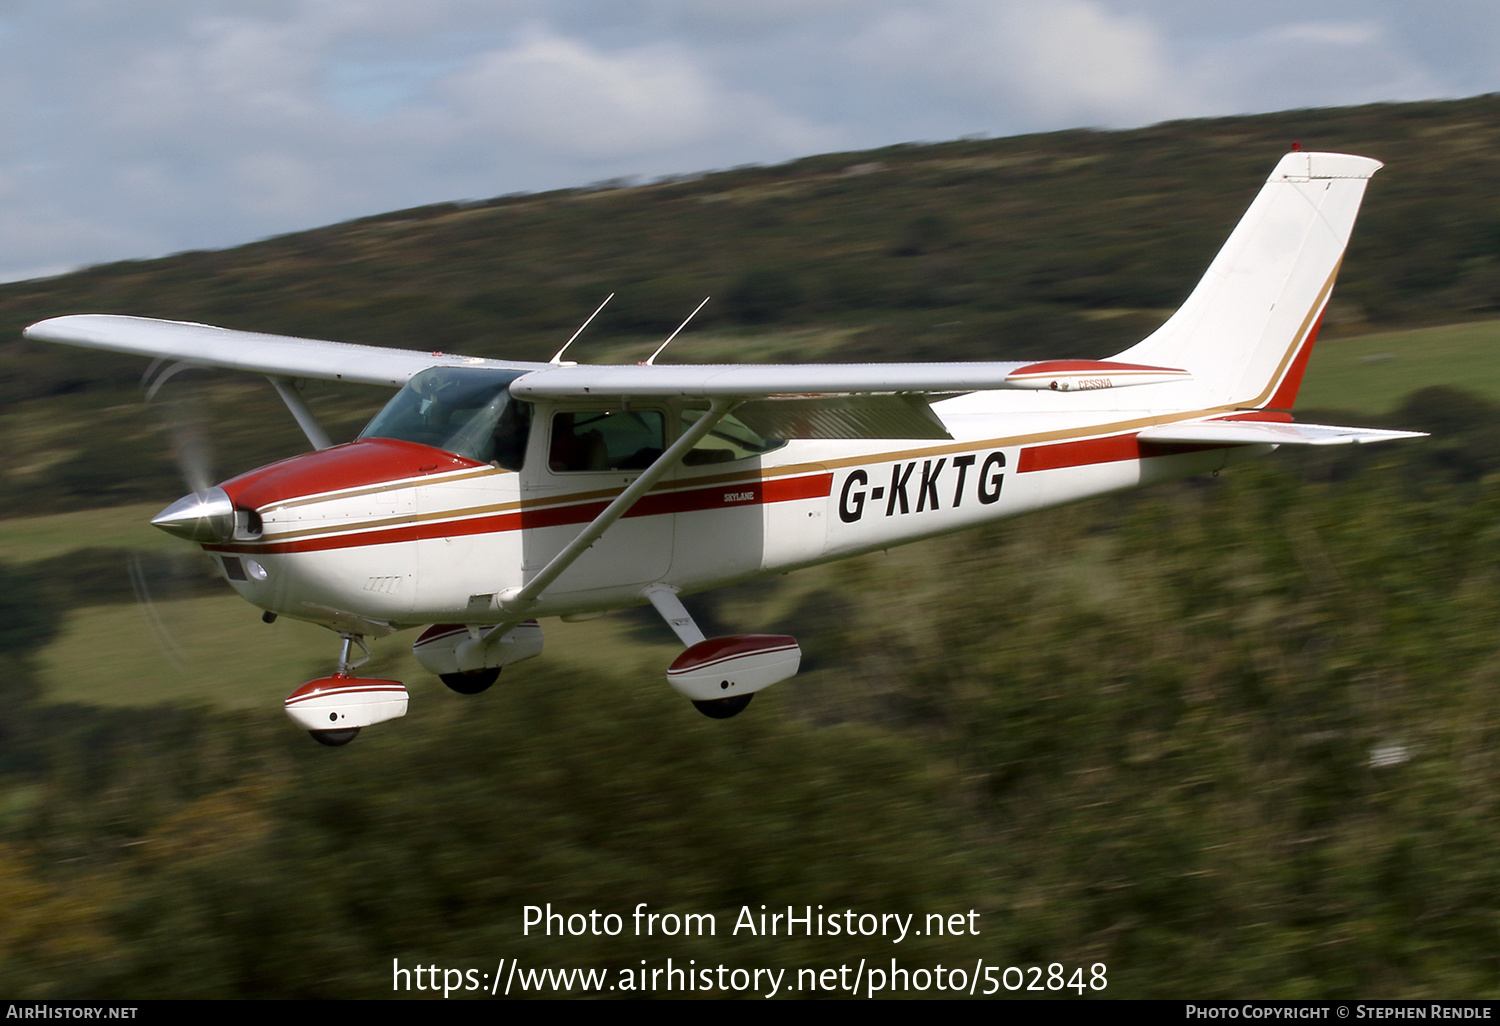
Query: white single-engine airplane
[488, 493]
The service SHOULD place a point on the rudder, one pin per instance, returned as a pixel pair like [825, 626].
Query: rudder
[1247, 329]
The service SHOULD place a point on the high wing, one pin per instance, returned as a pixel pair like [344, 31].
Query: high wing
[834, 401]
[800, 380]
[829, 401]
[275, 355]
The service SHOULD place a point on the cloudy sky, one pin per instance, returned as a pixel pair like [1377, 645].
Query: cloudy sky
[135, 129]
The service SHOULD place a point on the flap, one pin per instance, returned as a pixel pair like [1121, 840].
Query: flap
[864, 416]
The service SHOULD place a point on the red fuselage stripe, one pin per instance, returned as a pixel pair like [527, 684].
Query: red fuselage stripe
[1112, 449]
[753, 493]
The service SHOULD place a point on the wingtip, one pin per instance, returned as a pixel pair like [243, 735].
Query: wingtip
[1304, 165]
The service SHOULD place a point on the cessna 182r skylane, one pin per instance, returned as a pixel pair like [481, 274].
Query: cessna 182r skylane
[488, 493]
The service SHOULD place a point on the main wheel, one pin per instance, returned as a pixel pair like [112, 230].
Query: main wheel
[723, 708]
[471, 682]
[334, 738]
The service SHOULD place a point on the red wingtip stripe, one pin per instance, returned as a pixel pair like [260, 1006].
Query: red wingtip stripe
[1089, 367]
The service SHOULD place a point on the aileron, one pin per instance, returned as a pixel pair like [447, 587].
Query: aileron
[257, 353]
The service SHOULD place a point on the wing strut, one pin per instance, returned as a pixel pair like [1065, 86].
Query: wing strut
[519, 599]
[287, 389]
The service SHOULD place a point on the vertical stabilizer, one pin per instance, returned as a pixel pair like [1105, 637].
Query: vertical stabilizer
[1247, 329]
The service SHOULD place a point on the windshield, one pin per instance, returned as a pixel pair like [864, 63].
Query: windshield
[464, 410]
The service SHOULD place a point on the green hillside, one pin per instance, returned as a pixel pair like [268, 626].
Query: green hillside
[1065, 244]
[1230, 738]
[1375, 372]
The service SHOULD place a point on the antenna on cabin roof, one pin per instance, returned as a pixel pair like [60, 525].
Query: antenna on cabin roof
[674, 334]
[557, 360]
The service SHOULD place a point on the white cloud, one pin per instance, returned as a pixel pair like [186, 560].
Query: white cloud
[1076, 59]
[135, 129]
[563, 99]
[1331, 33]
[568, 98]
[1311, 64]
[1028, 64]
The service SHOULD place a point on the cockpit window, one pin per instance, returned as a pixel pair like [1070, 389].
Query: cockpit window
[463, 410]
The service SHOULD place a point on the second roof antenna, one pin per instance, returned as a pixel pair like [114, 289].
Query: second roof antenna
[650, 359]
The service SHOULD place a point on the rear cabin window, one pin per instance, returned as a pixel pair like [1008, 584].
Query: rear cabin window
[729, 440]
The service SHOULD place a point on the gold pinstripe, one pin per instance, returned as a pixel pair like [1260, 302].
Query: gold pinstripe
[788, 470]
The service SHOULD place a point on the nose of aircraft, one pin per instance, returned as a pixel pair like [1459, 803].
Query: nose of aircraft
[206, 516]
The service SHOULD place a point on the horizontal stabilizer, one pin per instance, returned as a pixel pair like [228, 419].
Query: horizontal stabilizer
[1259, 432]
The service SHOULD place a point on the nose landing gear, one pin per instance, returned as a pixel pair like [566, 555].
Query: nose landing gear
[333, 709]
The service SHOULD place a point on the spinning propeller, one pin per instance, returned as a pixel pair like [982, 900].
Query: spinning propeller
[205, 514]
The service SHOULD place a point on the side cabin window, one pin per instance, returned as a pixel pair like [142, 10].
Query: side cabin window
[606, 440]
[729, 440]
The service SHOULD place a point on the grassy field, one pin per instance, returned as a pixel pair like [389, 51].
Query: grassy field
[1374, 373]
[216, 651]
[197, 651]
[27, 539]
